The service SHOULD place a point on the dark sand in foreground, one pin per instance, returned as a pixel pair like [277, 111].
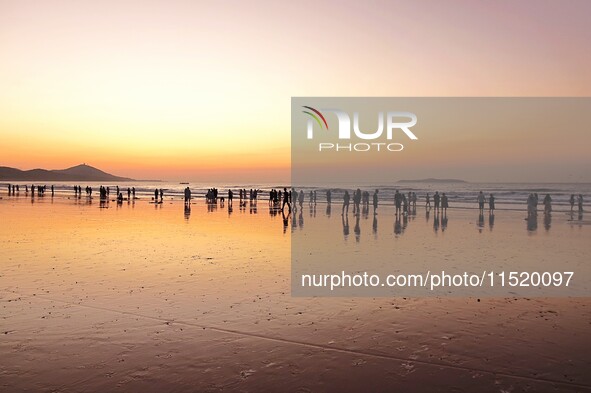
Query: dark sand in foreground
[141, 298]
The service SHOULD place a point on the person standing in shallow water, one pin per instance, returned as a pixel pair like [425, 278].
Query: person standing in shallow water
[155, 195]
[491, 204]
[572, 202]
[580, 203]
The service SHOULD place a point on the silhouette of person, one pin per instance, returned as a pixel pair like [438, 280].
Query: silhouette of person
[397, 202]
[328, 196]
[301, 200]
[481, 198]
[444, 203]
[572, 202]
[161, 194]
[427, 201]
[547, 204]
[375, 202]
[436, 199]
[155, 195]
[491, 204]
[285, 200]
[580, 200]
[346, 199]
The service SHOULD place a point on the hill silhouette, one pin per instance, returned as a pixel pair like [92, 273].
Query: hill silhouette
[80, 172]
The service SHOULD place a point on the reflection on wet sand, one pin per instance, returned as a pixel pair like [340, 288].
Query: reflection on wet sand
[160, 291]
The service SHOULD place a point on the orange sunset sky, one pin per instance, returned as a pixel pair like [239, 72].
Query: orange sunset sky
[197, 90]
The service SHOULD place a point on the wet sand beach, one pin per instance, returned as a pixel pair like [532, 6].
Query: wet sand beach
[148, 297]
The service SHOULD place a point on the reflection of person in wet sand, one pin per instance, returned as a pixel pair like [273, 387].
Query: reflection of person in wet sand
[187, 210]
[357, 229]
[481, 220]
[491, 220]
[532, 222]
[285, 217]
[436, 222]
[345, 221]
[397, 225]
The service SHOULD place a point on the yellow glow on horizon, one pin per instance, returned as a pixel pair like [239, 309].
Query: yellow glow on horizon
[166, 89]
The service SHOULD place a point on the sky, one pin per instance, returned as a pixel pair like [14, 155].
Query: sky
[200, 91]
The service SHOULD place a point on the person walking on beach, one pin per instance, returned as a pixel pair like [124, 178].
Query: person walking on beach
[572, 202]
[128, 193]
[346, 199]
[230, 197]
[301, 199]
[414, 200]
[285, 200]
[397, 202]
[356, 201]
[375, 202]
[580, 203]
[428, 202]
[155, 195]
[481, 199]
[161, 194]
[491, 204]
[547, 204]
[436, 199]
[328, 196]
[444, 203]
